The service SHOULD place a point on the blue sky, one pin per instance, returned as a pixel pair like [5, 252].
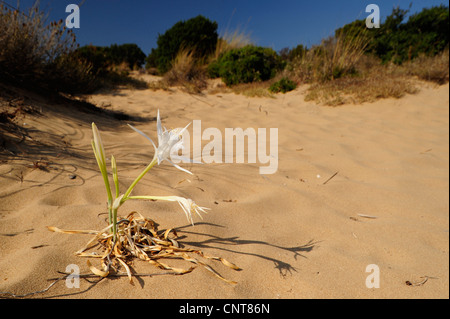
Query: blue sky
[276, 23]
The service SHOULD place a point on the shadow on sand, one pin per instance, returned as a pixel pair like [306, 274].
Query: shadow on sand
[230, 244]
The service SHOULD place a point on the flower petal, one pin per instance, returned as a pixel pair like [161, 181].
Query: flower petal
[159, 128]
[179, 167]
[143, 134]
[184, 159]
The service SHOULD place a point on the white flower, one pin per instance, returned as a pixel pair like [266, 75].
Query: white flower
[168, 142]
[186, 204]
[189, 206]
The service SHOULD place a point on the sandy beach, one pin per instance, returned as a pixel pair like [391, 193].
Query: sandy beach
[294, 234]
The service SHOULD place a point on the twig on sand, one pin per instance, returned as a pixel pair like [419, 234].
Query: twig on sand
[90, 275]
[367, 216]
[6, 294]
[330, 178]
[420, 283]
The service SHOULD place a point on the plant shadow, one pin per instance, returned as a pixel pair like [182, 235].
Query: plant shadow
[212, 241]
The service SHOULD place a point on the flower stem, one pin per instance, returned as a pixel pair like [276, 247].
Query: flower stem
[114, 223]
[145, 171]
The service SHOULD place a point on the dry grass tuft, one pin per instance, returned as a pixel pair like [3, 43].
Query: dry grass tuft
[255, 89]
[186, 72]
[432, 69]
[339, 72]
[359, 90]
[230, 41]
[334, 58]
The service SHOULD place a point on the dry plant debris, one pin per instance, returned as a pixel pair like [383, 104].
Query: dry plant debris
[139, 237]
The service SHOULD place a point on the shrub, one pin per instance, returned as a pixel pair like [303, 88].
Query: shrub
[35, 53]
[103, 59]
[187, 72]
[71, 75]
[425, 32]
[229, 41]
[429, 68]
[128, 53]
[198, 33]
[96, 56]
[379, 84]
[151, 61]
[293, 54]
[284, 85]
[334, 58]
[246, 65]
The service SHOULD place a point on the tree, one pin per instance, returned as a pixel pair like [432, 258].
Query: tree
[198, 34]
[425, 32]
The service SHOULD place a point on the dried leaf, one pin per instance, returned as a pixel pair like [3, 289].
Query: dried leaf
[97, 271]
[57, 230]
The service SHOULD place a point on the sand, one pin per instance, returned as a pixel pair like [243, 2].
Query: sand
[294, 234]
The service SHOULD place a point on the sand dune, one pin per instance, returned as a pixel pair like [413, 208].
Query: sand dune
[292, 235]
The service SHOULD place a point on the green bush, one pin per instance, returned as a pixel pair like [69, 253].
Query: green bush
[198, 34]
[246, 65]
[425, 32]
[96, 56]
[71, 75]
[103, 58]
[151, 61]
[128, 53]
[284, 85]
[290, 55]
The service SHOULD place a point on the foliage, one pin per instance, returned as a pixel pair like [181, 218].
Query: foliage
[425, 32]
[128, 53]
[96, 56]
[186, 72]
[246, 65]
[284, 85]
[36, 54]
[292, 54]
[198, 34]
[429, 68]
[103, 59]
[41, 55]
[334, 58]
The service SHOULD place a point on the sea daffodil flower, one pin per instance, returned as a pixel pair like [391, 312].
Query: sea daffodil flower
[186, 204]
[189, 207]
[169, 141]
